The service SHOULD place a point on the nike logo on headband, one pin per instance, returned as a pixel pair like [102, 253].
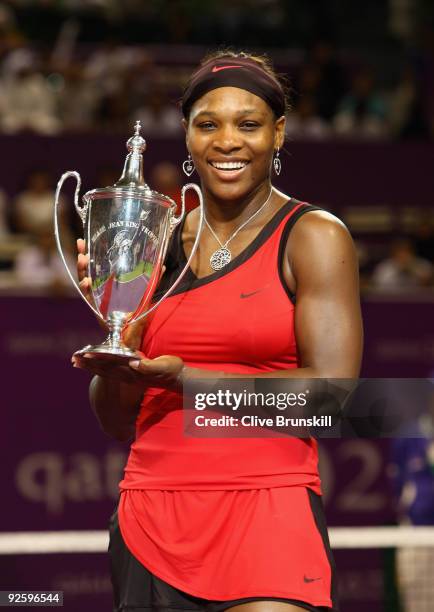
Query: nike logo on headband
[218, 68]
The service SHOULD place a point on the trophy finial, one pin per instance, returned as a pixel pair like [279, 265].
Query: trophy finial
[137, 142]
[132, 175]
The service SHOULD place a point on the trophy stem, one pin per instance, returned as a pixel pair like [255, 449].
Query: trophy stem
[113, 346]
[116, 323]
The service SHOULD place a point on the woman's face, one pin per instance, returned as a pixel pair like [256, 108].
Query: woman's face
[232, 135]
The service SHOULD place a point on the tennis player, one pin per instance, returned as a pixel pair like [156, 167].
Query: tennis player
[230, 523]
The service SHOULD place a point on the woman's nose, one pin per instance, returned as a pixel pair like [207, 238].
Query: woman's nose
[227, 139]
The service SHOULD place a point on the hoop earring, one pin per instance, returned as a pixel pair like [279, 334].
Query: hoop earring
[188, 166]
[277, 164]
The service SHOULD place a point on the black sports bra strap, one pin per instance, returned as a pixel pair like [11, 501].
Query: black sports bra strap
[284, 239]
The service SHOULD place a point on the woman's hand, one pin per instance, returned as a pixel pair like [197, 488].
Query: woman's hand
[84, 282]
[164, 372]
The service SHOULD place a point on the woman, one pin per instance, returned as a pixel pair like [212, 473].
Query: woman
[231, 523]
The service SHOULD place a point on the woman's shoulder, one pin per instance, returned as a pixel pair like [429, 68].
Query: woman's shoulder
[317, 230]
[317, 221]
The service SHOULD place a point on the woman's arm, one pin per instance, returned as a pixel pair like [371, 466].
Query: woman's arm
[321, 268]
[115, 405]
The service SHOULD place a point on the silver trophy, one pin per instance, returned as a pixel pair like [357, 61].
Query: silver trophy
[127, 228]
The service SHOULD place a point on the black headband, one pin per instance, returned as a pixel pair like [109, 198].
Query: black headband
[234, 72]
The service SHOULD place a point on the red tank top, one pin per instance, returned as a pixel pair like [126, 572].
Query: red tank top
[238, 320]
[224, 518]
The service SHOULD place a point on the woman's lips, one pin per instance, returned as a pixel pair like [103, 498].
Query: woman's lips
[227, 174]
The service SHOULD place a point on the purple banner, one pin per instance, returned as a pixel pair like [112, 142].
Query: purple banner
[399, 336]
[62, 471]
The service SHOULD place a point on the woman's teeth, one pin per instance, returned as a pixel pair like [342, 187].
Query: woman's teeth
[228, 165]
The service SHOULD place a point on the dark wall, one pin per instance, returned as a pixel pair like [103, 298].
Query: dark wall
[334, 174]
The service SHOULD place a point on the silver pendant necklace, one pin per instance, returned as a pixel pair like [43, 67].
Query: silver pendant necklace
[220, 258]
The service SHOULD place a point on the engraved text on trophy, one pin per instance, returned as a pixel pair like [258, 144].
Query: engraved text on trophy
[124, 253]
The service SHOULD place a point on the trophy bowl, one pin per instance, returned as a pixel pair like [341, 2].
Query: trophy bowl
[127, 228]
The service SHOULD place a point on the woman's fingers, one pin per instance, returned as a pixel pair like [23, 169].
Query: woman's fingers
[81, 246]
[132, 334]
[82, 264]
[84, 281]
[85, 288]
[85, 284]
[163, 269]
[164, 370]
[107, 369]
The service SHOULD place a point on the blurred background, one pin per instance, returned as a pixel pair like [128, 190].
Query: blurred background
[74, 77]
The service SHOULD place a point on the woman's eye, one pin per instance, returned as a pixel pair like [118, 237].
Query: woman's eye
[249, 125]
[206, 125]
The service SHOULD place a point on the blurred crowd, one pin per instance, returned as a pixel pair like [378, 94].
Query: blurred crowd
[114, 85]
[335, 100]
[408, 264]
[106, 90]
[71, 86]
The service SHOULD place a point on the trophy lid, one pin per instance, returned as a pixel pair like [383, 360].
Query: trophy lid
[132, 181]
[132, 175]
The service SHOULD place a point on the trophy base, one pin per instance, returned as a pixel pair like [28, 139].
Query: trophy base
[120, 353]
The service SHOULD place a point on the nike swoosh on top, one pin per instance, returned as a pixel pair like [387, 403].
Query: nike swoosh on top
[218, 68]
[246, 295]
[306, 579]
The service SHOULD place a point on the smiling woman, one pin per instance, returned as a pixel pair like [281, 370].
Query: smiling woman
[235, 120]
[231, 135]
[212, 524]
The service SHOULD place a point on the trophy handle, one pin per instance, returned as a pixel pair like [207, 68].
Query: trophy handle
[174, 222]
[82, 212]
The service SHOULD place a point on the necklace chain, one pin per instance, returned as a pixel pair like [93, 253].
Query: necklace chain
[223, 256]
